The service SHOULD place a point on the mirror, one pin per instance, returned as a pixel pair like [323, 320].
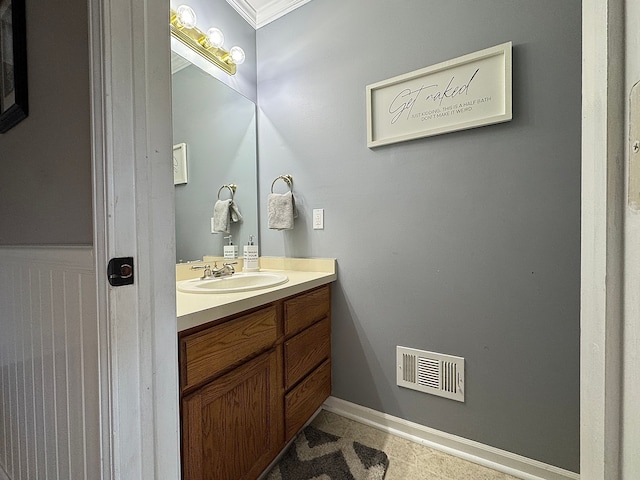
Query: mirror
[218, 126]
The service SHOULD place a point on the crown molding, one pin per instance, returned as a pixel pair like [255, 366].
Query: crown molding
[276, 9]
[267, 13]
[246, 11]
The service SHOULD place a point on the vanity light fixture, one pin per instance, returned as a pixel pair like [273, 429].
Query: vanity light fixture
[208, 45]
[186, 17]
[237, 55]
[214, 38]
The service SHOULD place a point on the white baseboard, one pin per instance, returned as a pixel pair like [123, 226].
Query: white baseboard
[500, 460]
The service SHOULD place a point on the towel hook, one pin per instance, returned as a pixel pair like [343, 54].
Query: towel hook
[288, 179]
[232, 188]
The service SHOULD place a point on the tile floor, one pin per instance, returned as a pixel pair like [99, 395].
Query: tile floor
[407, 460]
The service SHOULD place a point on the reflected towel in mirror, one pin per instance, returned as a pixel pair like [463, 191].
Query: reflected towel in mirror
[281, 209]
[224, 213]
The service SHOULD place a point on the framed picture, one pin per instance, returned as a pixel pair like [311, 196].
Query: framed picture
[13, 64]
[466, 92]
[180, 163]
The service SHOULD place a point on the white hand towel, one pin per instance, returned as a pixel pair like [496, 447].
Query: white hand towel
[225, 212]
[281, 211]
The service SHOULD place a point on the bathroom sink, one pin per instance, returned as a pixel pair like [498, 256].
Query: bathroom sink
[238, 282]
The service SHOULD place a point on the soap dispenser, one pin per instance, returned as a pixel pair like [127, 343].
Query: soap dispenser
[251, 256]
[231, 250]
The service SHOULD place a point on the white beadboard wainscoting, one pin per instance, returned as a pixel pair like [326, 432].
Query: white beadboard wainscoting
[49, 364]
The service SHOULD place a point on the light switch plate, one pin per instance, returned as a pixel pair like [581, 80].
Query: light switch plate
[318, 218]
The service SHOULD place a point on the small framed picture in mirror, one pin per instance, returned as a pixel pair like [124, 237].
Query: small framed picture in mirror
[180, 163]
[13, 64]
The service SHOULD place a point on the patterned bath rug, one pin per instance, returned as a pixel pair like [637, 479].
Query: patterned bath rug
[317, 455]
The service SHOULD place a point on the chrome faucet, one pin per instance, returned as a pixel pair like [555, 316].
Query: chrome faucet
[215, 272]
[226, 270]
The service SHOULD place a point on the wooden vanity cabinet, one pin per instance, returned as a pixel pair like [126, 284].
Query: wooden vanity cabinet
[249, 382]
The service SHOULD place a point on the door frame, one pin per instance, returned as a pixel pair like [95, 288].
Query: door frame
[602, 231]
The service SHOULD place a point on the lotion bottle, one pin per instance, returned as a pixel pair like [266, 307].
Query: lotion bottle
[230, 251]
[251, 256]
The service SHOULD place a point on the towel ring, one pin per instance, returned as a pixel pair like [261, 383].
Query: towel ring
[232, 188]
[288, 179]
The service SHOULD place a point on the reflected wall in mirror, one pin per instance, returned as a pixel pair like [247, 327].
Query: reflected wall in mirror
[218, 125]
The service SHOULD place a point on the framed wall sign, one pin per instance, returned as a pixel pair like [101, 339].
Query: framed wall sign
[180, 163]
[13, 64]
[466, 92]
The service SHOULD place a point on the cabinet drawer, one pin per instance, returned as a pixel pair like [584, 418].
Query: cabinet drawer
[208, 353]
[301, 402]
[306, 351]
[306, 309]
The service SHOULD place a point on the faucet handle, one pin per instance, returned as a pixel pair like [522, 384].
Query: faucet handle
[200, 267]
[206, 268]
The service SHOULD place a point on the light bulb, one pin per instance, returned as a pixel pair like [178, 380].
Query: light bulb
[237, 55]
[215, 37]
[186, 16]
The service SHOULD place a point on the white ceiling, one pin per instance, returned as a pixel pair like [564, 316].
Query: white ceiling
[260, 12]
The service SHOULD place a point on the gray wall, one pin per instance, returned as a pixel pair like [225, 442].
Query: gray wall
[219, 127]
[45, 185]
[466, 243]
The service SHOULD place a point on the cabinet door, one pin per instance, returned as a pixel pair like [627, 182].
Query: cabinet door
[233, 427]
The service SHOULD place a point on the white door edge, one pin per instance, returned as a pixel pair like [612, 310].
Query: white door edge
[132, 204]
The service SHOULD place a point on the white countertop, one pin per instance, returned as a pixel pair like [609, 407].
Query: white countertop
[194, 309]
